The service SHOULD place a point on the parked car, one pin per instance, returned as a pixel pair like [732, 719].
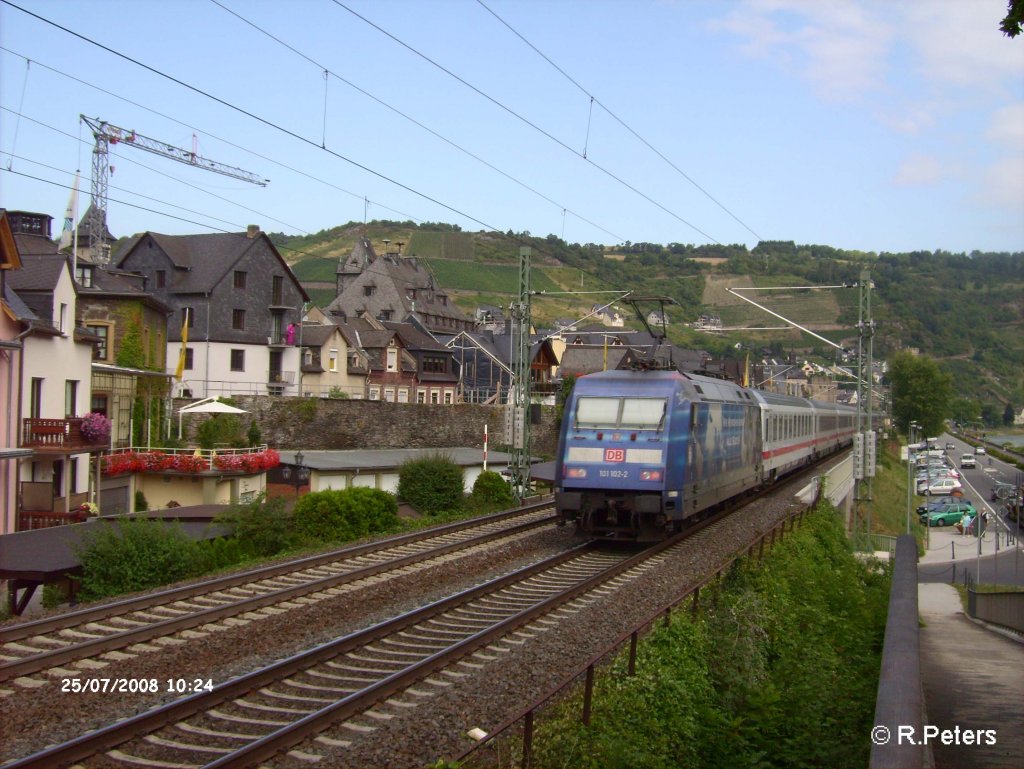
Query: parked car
[943, 486]
[951, 516]
[940, 504]
[968, 460]
[979, 449]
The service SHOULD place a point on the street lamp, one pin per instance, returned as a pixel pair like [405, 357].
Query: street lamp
[300, 475]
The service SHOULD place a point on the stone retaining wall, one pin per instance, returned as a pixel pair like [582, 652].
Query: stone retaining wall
[321, 424]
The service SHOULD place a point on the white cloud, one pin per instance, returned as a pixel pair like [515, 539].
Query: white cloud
[1007, 127]
[918, 170]
[959, 43]
[838, 46]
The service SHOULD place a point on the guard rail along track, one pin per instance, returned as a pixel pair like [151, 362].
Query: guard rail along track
[37, 646]
[348, 683]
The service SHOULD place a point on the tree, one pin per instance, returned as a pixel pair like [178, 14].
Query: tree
[920, 392]
[1008, 415]
[1011, 24]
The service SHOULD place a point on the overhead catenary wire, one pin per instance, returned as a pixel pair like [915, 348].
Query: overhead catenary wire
[620, 121]
[228, 142]
[248, 113]
[237, 226]
[455, 145]
[266, 122]
[153, 170]
[526, 121]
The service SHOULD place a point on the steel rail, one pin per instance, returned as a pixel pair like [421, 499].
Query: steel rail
[54, 657]
[289, 736]
[108, 610]
[123, 731]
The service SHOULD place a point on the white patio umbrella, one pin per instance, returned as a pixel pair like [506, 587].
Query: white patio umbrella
[207, 406]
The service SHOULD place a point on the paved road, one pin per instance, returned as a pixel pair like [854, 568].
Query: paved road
[973, 679]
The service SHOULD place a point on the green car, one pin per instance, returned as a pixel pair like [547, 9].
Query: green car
[950, 515]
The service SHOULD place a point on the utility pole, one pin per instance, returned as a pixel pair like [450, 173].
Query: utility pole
[106, 134]
[864, 440]
[517, 420]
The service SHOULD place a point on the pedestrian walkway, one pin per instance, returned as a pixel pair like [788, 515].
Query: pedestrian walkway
[973, 680]
[950, 555]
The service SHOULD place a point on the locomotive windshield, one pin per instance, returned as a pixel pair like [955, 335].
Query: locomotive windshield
[620, 413]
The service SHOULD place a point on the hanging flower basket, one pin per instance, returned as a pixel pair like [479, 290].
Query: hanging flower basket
[96, 427]
[157, 461]
[247, 463]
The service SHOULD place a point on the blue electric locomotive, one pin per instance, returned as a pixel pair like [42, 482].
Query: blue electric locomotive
[641, 451]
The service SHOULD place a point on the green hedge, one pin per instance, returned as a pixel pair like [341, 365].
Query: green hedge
[339, 515]
[432, 485]
[136, 554]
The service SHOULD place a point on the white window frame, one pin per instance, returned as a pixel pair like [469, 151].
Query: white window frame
[389, 394]
[333, 361]
[392, 359]
[374, 393]
[403, 394]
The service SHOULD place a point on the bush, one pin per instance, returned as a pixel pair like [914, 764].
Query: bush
[135, 554]
[255, 436]
[262, 527]
[491, 491]
[141, 505]
[221, 429]
[222, 552]
[432, 485]
[338, 515]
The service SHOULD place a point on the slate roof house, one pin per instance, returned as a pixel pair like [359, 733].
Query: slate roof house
[333, 365]
[395, 288]
[54, 374]
[237, 297]
[406, 364]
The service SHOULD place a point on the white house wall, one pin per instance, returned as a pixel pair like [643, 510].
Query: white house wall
[211, 365]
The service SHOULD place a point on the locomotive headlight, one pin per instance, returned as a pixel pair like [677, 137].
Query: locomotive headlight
[650, 475]
[576, 472]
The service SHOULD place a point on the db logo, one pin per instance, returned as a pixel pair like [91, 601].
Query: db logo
[614, 455]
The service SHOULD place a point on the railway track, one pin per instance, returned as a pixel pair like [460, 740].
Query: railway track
[332, 694]
[169, 617]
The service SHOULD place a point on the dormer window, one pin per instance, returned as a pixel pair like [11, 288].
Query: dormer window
[369, 290]
[84, 275]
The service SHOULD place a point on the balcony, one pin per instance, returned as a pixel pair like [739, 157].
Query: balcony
[281, 377]
[59, 436]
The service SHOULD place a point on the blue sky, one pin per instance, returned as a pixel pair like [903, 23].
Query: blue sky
[876, 126]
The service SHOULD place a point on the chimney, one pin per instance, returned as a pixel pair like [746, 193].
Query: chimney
[252, 231]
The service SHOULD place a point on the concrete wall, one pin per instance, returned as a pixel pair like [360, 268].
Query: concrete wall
[324, 424]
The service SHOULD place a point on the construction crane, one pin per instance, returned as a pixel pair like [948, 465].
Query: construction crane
[106, 134]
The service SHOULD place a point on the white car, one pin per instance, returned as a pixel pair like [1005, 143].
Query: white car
[968, 460]
[979, 449]
[944, 486]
